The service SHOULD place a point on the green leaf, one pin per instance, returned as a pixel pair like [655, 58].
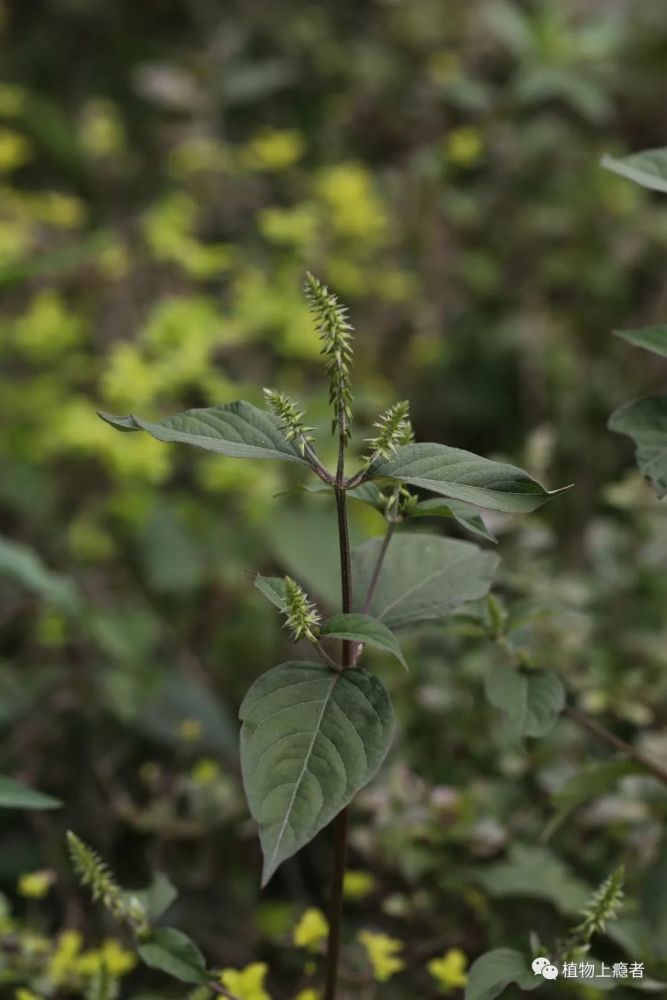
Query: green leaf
[238, 429]
[585, 785]
[492, 972]
[363, 628]
[530, 701]
[14, 795]
[648, 168]
[651, 338]
[645, 421]
[536, 873]
[24, 566]
[171, 951]
[462, 475]
[311, 738]
[422, 577]
[273, 588]
[464, 515]
[157, 898]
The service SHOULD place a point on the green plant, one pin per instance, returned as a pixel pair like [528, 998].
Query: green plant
[314, 733]
[645, 420]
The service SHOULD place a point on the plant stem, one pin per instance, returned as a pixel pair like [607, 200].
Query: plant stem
[341, 821]
[611, 739]
[378, 565]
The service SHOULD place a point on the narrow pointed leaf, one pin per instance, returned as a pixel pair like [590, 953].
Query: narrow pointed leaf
[422, 577]
[651, 338]
[273, 588]
[238, 429]
[645, 421]
[648, 168]
[171, 951]
[465, 476]
[14, 795]
[311, 738]
[468, 517]
[364, 628]
[530, 701]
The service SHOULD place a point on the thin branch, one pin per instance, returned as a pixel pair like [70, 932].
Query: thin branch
[323, 655]
[605, 735]
[378, 565]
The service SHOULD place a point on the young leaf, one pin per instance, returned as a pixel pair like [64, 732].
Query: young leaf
[238, 429]
[463, 514]
[651, 338]
[645, 421]
[273, 588]
[363, 628]
[648, 168]
[530, 701]
[14, 795]
[463, 475]
[171, 951]
[422, 577]
[310, 739]
[493, 972]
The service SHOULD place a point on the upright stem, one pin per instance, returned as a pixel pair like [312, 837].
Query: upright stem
[341, 821]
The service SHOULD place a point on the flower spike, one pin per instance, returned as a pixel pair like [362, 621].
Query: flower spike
[336, 335]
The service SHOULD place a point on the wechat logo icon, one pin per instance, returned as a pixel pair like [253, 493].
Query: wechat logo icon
[543, 967]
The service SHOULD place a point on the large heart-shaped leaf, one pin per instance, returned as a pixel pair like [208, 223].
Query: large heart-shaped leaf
[648, 168]
[238, 429]
[645, 421]
[363, 628]
[311, 738]
[463, 475]
[493, 972]
[651, 338]
[14, 795]
[422, 577]
[530, 701]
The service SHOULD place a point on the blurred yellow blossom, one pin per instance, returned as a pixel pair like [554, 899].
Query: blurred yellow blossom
[48, 328]
[354, 208]
[311, 929]
[169, 227]
[381, 951]
[129, 378]
[273, 149]
[295, 226]
[449, 971]
[111, 956]
[190, 730]
[15, 150]
[195, 155]
[23, 994]
[55, 208]
[63, 960]
[308, 994]
[205, 771]
[35, 885]
[248, 983]
[101, 131]
[464, 145]
[357, 884]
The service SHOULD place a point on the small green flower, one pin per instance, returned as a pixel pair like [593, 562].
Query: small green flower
[336, 334]
[394, 429]
[301, 615]
[290, 418]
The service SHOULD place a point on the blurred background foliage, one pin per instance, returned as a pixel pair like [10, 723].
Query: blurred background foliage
[167, 172]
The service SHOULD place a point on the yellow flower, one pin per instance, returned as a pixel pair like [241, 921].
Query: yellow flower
[354, 208]
[273, 149]
[308, 995]
[22, 994]
[12, 99]
[111, 956]
[357, 884]
[15, 150]
[35, 885]
[464, 145]
[248, 983]
[381, 951]
[101, 133]
[205, 771]
[311, 929]
[190, 730]
[64, 958]
[449, 971]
